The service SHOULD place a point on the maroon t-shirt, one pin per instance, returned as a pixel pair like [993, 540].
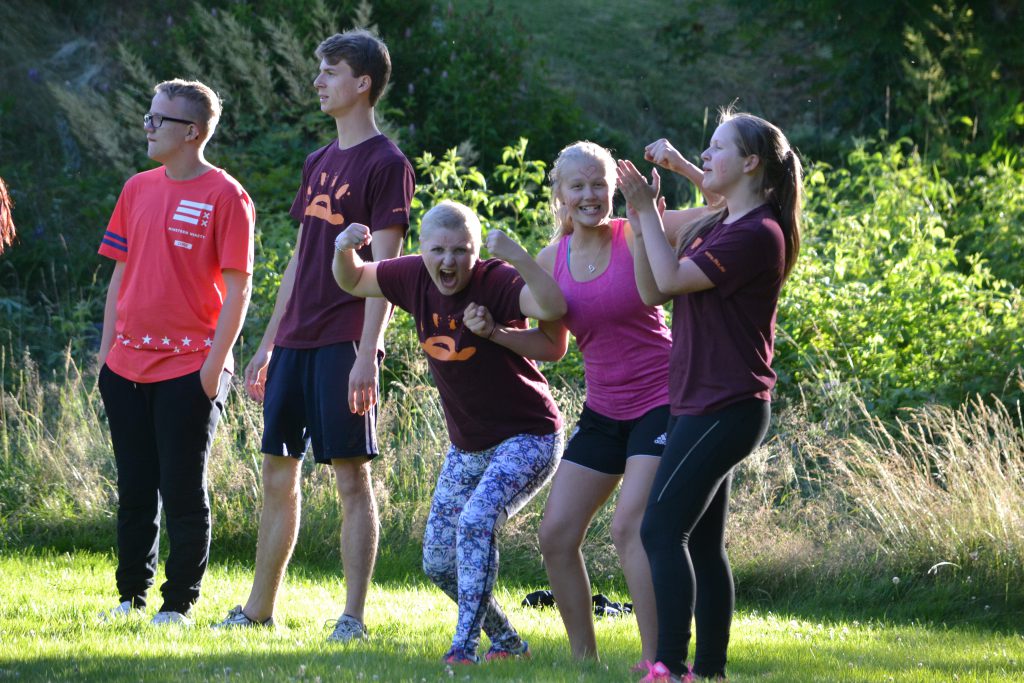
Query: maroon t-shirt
[371, 183]
[723, 338]
[488, 392]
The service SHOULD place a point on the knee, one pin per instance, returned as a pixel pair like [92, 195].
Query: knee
[353, 480]
[439, 564]
[625, 531]
[281, 480]
[652, 535]
[557, 539]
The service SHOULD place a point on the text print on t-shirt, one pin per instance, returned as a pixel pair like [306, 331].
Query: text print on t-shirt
[320, 205]
[197, 215]
[442, 346]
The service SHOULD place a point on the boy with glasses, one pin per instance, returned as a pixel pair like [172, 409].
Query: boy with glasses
[181, 237]
[316, 368]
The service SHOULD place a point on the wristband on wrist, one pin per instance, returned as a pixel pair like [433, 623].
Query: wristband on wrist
[493, 328]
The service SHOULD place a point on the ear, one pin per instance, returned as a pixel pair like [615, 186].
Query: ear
[364, 83]
[751, 163]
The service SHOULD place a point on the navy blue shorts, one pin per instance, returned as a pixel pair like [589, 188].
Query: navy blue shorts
[603, 444]
[306, 404]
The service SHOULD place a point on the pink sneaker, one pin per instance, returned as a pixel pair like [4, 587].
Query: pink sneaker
[659, 673]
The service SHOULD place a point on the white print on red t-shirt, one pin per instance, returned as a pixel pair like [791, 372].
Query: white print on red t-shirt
[193, 213]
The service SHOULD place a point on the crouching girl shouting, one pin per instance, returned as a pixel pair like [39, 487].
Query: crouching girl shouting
[504, 427]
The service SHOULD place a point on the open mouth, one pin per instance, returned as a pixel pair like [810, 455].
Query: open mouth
[447, 278]
[589, 210]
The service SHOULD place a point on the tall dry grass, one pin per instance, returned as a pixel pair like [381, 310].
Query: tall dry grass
[933, 498]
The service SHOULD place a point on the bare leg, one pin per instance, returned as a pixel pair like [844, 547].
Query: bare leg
[576, 495]
[279, 527]
[358, 530]
[629, 513]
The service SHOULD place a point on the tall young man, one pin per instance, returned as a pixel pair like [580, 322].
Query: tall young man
[316, 369]
[181, 237]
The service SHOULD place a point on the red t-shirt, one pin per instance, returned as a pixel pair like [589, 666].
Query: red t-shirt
[723, 338]
[175, 238]
[371, 183]
[488, 392]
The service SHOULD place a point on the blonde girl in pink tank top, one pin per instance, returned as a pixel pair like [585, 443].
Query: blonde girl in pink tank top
[620, 329]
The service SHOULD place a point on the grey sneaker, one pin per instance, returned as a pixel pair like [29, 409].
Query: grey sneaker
[122, 611]
[237, 619]
[347, 629]
[168, 618]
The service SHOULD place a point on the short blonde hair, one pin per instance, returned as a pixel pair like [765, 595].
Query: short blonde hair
[453, 216]
[203, 102]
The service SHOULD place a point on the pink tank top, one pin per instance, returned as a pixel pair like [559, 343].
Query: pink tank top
[625, 343]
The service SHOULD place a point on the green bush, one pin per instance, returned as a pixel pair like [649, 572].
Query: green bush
[882, 299]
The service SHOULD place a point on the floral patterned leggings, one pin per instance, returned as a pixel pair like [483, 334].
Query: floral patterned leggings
[476, 493]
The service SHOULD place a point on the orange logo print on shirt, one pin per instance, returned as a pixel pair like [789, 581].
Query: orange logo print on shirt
[442, 346]
[320, 205]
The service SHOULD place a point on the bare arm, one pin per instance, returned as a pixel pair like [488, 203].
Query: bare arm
[362, 380]
[350, 272]
[256, 370]
[645, 284]
[548, 342]
[110, 313]
[662, 153]
[229, 324]
[541, 298]
[673, 276]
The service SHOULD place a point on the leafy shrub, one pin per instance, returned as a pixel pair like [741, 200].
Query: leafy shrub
[882, 299]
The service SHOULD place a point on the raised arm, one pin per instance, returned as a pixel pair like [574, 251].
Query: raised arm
[350, 271]
[662, 153]
[672, 275]
[547, 342]
[645, 284]
[541, 298]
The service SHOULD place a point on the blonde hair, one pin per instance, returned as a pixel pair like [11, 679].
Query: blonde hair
[453, 216]
[203, 102]
[577, 151]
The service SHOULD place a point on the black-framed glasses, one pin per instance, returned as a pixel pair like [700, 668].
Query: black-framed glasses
[157, 120]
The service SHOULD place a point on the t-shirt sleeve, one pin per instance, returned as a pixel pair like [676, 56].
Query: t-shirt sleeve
[397, 278]
[503, 284]
[391, 192]
[236, 220]
[740, 254]
[114, 243]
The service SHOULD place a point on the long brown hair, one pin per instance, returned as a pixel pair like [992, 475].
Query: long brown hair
[781, 180]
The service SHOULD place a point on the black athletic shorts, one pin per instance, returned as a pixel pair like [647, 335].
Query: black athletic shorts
[603, 444]
[306, 404]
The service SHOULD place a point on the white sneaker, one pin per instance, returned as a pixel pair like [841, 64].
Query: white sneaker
[166, 618]
[122, 611]
[347, 629]
[238, 619]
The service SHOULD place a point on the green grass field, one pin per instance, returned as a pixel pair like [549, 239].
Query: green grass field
[49, 631]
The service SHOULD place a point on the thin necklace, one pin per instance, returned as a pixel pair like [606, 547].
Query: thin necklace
[592, 266]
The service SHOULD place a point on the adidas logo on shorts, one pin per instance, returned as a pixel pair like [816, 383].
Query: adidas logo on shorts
[662, 440]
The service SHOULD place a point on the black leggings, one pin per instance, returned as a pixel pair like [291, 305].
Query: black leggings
[683, 531]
